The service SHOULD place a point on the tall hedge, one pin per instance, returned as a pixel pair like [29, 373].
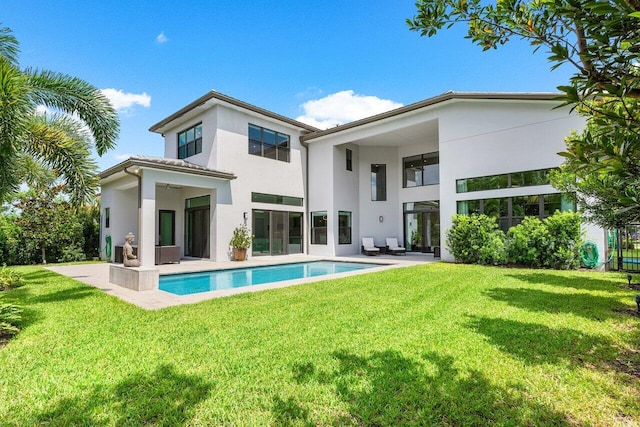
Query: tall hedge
[551, 243]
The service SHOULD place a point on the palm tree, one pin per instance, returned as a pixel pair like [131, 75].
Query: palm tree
[77, 117]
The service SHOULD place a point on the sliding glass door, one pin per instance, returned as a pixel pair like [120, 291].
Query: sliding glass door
[422, 226]
[276, 232]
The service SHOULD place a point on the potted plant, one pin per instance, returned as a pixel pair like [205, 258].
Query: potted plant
[240, 242]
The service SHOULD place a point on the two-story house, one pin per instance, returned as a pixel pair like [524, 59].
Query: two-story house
[401, 174]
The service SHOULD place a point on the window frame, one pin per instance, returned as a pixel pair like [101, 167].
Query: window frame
[379, 189]
[517, 179]
[276, 148]
[348, 228]
[511, 220]
[196, 143]
[423, 162]
[322, 233]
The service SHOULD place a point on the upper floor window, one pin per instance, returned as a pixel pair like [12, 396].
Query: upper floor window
[349, 160]
[423, 169]
[378, 183]
[268, 143]
[505, 180]
[190, 141]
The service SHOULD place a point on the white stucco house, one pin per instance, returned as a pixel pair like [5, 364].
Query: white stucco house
[401, 174]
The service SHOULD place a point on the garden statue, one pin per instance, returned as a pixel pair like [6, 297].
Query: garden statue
[128, 258]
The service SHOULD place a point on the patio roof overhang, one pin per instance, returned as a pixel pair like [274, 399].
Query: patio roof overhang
[170, 165]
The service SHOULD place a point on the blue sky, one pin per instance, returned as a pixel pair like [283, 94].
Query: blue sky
[324, 62]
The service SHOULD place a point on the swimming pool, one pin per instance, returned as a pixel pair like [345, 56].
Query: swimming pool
[191, 283]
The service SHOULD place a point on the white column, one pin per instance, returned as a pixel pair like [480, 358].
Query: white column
[213, 226]
[147, 227]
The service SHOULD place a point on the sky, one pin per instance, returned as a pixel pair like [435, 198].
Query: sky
[321, 62]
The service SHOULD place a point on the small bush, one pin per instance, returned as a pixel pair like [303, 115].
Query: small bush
[9, 279]
[552, 243]
[528, 243]
[565, 238]
[10, 317]
[476, 239]
[72, 253]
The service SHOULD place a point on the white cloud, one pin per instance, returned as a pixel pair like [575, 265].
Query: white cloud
[161, 38]
[122, 101]
[343, 107]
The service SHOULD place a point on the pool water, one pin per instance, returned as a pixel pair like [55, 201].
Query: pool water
[191, 283]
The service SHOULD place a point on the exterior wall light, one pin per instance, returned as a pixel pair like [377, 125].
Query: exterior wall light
[380, 218]
[245, 215]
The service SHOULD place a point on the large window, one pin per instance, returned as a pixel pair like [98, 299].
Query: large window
[423, 169]
[510, 211]
[378, 183]
[268, 143]
[190, 141]
[506, 180]
[319, 228]
[344, 228]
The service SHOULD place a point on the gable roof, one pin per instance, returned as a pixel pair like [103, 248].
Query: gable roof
[447, 96]
[213, 98]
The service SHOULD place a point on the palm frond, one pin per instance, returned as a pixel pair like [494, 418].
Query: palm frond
[72, 95]
[14, 107]
[9, 47]
[61, 143]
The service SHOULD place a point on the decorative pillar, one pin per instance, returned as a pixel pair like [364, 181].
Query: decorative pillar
[147, 227]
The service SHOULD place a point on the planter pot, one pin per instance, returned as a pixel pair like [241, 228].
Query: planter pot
[239, 254]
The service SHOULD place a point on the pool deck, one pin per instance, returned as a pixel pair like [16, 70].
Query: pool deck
[97, 275]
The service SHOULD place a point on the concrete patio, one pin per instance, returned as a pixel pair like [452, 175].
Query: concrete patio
[97, 275]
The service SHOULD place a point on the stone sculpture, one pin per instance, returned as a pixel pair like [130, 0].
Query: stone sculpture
[128, 258]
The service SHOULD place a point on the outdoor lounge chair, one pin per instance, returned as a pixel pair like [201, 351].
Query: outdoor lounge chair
[393, 247]
[368, 247]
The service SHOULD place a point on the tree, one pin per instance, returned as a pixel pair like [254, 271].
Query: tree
[601, 40]
[82, 117]
[46, 224]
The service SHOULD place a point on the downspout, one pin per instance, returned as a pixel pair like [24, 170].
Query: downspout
[139, 206]
[306, 190]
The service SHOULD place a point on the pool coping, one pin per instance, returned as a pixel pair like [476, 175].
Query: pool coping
[97, 275]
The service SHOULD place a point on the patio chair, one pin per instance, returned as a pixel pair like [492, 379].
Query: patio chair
[368, 247]
[393, 247]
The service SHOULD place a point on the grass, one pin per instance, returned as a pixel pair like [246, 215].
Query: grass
[431, 345]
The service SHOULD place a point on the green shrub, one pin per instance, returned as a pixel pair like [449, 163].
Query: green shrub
[476, 239]
[10, 317]
[528, 243]
[72, 253]
[552, 243]
[565, 238]
[9, 279]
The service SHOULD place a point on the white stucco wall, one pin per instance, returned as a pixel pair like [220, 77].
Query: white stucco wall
[321, 193]
[481, 138]
[225, 148]
[371, 211]
[346, 197]
[121, 197]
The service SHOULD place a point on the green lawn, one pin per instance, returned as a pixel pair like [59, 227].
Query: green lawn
[437, 344]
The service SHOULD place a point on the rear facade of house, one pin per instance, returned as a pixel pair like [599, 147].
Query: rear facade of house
[400, 174]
